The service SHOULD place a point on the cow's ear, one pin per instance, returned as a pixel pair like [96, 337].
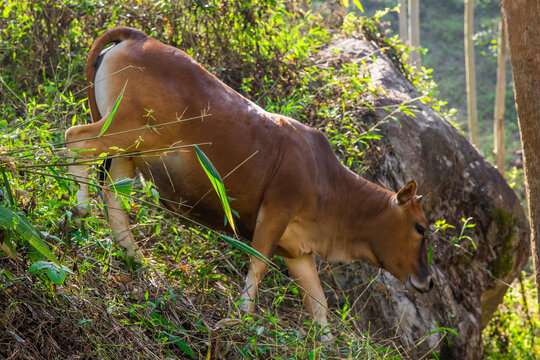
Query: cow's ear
[406, 193]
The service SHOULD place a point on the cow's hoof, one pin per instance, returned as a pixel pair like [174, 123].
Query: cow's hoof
[326, 337]
[246, 306]
[134, 260]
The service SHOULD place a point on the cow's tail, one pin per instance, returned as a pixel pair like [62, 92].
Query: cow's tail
[115, 35]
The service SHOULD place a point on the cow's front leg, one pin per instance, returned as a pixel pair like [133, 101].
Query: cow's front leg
[83, 144]
[304, 273]
[268, 231]
[255, 273]
[80, 149]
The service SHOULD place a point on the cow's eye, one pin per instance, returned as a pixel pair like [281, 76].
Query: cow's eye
[421, 230]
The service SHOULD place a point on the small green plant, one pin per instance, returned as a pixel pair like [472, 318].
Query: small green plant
[442, 225]
[513, 331]
[55, 273]
[17, 231]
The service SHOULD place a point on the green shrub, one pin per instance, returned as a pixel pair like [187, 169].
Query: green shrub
[513, 332]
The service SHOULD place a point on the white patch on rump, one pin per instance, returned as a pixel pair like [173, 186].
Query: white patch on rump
[104, 99]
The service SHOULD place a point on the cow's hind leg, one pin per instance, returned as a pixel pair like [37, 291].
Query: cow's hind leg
[118, 220]
[86, 143]
[82, 147]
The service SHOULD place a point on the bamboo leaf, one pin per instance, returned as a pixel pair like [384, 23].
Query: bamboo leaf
[7, 274]
[217, 183]
[8, 187]
[245, 248]
[63, 185]
[11, 221]
[123, 186]
[182, 345]
[113, 111]
[358, 5]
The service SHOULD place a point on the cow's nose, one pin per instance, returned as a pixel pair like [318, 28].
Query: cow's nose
[421, 286]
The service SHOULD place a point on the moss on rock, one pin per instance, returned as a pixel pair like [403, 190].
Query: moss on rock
[503, 264]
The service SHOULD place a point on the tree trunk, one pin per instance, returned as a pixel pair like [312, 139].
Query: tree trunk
[414, 32]
[403, 21]
[470, 71]
[521, 20]
[500, 92]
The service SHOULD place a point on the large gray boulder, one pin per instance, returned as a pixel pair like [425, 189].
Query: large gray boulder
[457, 182]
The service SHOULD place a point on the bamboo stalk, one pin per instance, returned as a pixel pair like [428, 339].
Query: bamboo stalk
[500, 92]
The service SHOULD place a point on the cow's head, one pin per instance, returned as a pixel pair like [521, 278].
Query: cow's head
[401, 243]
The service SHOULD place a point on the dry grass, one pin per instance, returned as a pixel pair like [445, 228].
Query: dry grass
[182, 301]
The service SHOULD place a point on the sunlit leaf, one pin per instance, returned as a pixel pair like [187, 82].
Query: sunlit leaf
[63, 185]
[123, 186]
[358, 5]
[444, 329]
[244, 247]
[113, 111]
[7, 274]
[56, 273]
[217, 183]
[39, 265]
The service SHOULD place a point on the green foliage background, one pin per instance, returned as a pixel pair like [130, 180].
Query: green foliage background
[264, 49]
[441, 34]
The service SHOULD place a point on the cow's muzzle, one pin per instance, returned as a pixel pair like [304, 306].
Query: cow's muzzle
[422, 286]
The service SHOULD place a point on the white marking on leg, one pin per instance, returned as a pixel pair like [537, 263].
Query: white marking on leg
[255, 273]
[250, 291]
[80, 172]
[252, 282]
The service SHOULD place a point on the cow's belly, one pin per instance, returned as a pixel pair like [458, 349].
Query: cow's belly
[185, 189]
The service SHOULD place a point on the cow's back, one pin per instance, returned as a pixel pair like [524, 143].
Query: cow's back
[248, 146]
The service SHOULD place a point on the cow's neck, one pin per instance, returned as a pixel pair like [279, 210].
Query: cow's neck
[358, 208]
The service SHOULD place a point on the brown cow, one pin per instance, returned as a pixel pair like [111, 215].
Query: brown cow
[292, 194]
